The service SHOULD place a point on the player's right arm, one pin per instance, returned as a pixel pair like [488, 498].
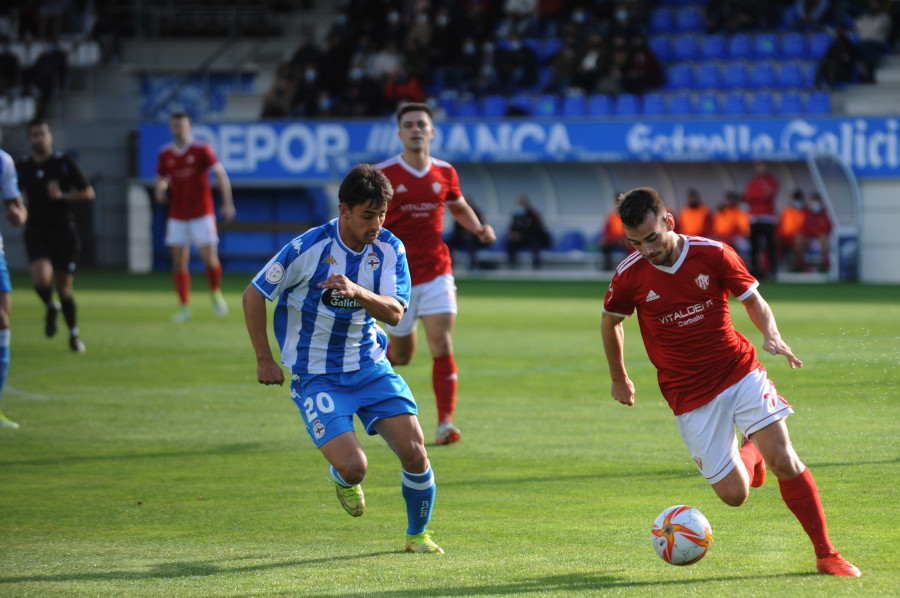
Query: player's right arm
[159, 189]
[613, 334]
[267, 369]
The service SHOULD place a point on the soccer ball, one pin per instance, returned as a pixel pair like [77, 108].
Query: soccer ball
[681, 535]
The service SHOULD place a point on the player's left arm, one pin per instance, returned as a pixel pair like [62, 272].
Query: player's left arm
[224, 183]
[467, 218]
[83, 190]
[381, 307]
[762, 317]
[16, 212]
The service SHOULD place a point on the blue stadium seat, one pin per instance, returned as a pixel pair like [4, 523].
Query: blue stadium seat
[791, 74]
[809, 73]
[736, 76]
[627, 104]
[681, 104]
[762, 104]
[690, 19]
[574, 104]
[661, 45]
[791, 102]
[522, 102]
[735, 103]
[493, 105]
[818, 102]
[793, 45]
[572, 240]
[654, 104]
[662, 20]
[680, 76]
[765, 45]
[713, 47]
[709, 75]
[762, 75]
[600, 105]
[818, 44]
[686, 48]
[547, 104]
[708, 104]
[740, 46]
[465, 106]
[550, 47]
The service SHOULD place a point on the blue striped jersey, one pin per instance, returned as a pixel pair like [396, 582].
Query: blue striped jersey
[321, 334]
[9, 182]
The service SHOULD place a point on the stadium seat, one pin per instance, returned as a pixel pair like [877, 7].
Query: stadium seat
[793, 45]
[736, 76]
[662, 21]
[654, 104]
[766, 46]
[685, 48]
[549, 49]
[572, 240]
[708, 104]
[791, 74]
[762, 104]
[818, 44]
[521, 103]
[709, 75]
[791, 102]
[493, 106]
[735, 103]
[740, 46]
[762, 75]
[680, 76]
[574, 104]
[627, 104]
[690, 20]
[681, 104]
[818, 102]
[466, 105]
[547, 104]
[713, 47]
[600, 105]
[661, 45]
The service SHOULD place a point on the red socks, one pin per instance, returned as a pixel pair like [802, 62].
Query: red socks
[214, 278]
[754, 464]
[801, 496]
[443, 378]
[182, 280]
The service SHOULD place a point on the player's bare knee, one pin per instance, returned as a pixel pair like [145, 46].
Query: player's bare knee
[415, 459]
[352, 471]
[734, 499]
[400, 358]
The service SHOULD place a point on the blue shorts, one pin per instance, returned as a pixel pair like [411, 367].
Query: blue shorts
[5, 284]
[329, 401]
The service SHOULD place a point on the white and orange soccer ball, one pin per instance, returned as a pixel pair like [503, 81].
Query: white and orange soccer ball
[681, 535]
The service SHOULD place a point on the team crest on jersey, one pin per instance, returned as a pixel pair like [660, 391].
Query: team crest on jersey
[372, 261]
[702, 281]
[328, 259]
[275, 273]
[318, 429]
[436, 186]
[699, 462]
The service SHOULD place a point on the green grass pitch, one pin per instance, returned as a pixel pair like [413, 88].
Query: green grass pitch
[155, 466]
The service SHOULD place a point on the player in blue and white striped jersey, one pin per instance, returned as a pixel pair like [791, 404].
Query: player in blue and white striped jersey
[17, 214]
[332, 284]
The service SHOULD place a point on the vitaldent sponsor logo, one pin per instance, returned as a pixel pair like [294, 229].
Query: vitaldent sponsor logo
[691, 312]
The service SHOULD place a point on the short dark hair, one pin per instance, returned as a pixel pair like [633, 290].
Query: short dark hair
[364, 184]
[179, 114]
[415, 107]
[37, 121]
[634, 206]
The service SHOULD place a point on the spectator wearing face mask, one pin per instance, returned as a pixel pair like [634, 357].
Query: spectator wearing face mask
[816, 227]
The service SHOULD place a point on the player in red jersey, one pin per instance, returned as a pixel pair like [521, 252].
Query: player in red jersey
[707, 371]
[422, 187]
[183, 170]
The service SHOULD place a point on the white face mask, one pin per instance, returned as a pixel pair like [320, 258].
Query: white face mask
[816, 206]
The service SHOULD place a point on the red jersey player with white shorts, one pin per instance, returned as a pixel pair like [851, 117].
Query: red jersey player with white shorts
[707, 371]
[423, 186]
[183, 170]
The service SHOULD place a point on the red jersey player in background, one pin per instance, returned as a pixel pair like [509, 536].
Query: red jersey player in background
[707, 371]
[183, 169]
[759, 194]
[422, 187]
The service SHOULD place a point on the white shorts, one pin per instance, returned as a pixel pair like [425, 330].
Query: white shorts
[751, 404]
[201, 231]
[436, 296]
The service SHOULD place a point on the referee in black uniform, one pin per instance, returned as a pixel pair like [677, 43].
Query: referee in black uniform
[51, 181]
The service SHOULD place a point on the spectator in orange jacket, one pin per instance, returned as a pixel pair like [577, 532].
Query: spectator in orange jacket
[695, 218]
[789, 224]
[731, 224]
[612, 239]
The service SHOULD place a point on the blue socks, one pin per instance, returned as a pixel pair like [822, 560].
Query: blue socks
[418, 491]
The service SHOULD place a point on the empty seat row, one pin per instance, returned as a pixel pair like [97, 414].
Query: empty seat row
[742, 75]
[652, 104]
[741, 46]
